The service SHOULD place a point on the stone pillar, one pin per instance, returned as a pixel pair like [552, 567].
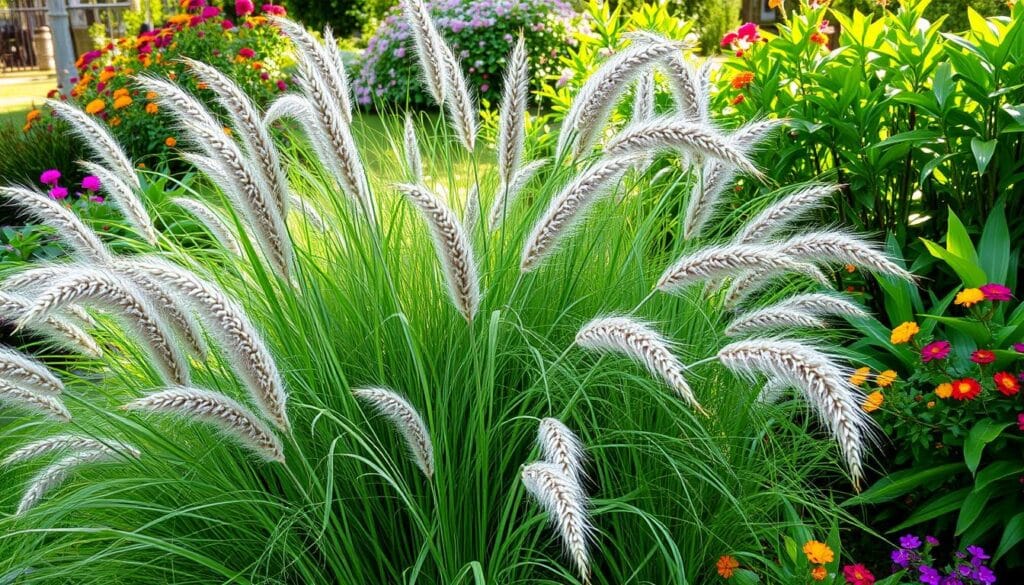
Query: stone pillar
[42, 42]
[63, 49]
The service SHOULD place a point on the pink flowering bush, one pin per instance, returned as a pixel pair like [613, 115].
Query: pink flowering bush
[480, 32]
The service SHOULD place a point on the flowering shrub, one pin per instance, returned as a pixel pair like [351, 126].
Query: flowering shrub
[480, 32]
[242, 45]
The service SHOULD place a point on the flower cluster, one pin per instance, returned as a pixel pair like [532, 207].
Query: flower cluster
[90, 186]
[858, 575]
[818, 554]
[968, 566]
[480, 32]
[742, 39]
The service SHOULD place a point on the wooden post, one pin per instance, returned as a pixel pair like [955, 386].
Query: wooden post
[63, 50]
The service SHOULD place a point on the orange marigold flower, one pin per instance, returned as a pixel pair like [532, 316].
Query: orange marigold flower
[904, 332]
[873, 401]
[773, 4]
[742, 79]
[860, 375]
[151, 95]
[122, 102]
[33, 115]
[106, 75]
[930, 404]
[819, 573]
[726, 565]
[944, 390]
[120, 92]
[115, 121]
[819, 39]
[202, 85]
[152, 108]
[170, 142]
[969, 297]
[95, 106]
[227, 131]
[886, 378]
[818, 553]
[851, 268]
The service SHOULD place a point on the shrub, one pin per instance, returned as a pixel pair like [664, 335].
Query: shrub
[345, 17]
[481, 32]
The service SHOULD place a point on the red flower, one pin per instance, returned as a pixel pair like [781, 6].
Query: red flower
[983, 356]
[819, 39]
[1006, 383]
[742, 79]
[966, 389]
[246, 53]
[737, 100]
[858, 575]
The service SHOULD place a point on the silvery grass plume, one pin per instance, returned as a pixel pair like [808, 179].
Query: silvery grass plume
[408, 422]
[723, 260]
[413, 161]
[690, 86]
[716, 176]
[105, 291]
[125, 198]
[212, 221]
[784, 212]
[308, 211]
[234, 420]
[224, 319]
[230, 170]
[99, 140]
[83, 241]
[471, 214]
[566, 505]
[453, 248]
[248, 124]
[773, 391]
[822, 304]
[561, 446]
[26, 372]
[45, 404]
[822, 382]
[568, 207]
[59, 330]
[429, 48]
[841, 247]
[460, 103]
[665, 133]
[67, 444]
[508, 194]
[320, 64]
[773, 317]
[57, 473]
[170, 308]
[642, 344]
[337, 76]
[643, 108]
[512, 120]
[747, 285]
[589, 111]
[29, 281]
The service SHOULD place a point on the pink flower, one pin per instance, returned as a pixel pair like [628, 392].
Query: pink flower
[91, 183]
[96, 198]
[1018, 347]
[729, 38]
[936, 350]
[983, 356]
[246, 53]
[50, 177]
[281, 85]
[196, 4]
[1020, 420]
[227, 24]
[484, 88]
[243, 7]
[996, 292]
[58, 192]
[749, 32]
[274, 10]
[210, 12]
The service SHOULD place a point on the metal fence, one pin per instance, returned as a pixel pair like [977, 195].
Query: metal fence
[20, 21]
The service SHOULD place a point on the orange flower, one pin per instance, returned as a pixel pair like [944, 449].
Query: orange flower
[819, 39]
[944, 390]
[170, 142]
[152, 108]
[742, 79]
[819, 573]
[115, 121]
[726, 565]
[95, 106]
[886, 378]
[818, 553]
[106, 75]
[151, 95]
[1006, 383]
[860, 376]
[969, 297]
[773, 4]
[737, 100]
[33, 115]
[202, 85]
[873, 401]
[227, 131]
[120, 92]
[904, 332]
[122, 102]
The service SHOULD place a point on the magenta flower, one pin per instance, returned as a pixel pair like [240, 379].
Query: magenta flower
[246, 53]
[50, 177]
[227, 24]
[274, 10]
[244, 7]
[936, 350]
[281, 85]
[210, 12]
[1018, 347]
[996, 292]
[58, 192]
[91, 183]
[96, 198]
[1020, 420]
[983, 356]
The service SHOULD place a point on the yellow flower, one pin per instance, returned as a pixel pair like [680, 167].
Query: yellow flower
[152, 108]
[95, 106]
[873, 401]
[120, 92]
[818, 553]
[122, 102]
[860, 376]
[179, 18]
[969, 296]
[904, 332]
[819, 573]
[886, 378]
[944, 390]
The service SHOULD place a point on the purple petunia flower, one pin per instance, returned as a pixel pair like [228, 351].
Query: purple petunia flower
[910, 541]
[1018, 347]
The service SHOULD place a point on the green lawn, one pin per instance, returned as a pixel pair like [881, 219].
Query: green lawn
[20, 91]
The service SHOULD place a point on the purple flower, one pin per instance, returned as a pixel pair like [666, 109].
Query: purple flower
[996, 292]
[901, 557]
[1018, 347]
[58, 192]
[929, 575]
[484, 88]
[50, 177]
[931, 540]
[984, 575]
[91, 183]
[977, 554]
[96, 199]
[909, 541]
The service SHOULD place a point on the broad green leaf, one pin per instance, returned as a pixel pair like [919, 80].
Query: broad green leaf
[983, 433]
[936, 508]
[1012, 535]
[942, 83]
[901, 483]
[976, 331]
[971, 274]
[983, 151]
[745, 577]
[994, 247]
[974, 505]
[958, 241]
[997, 471]
[894, 579]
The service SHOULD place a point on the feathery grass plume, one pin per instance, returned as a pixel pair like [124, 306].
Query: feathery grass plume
[98, 139]
[337, 76]
[453, 248]
[413, 162]
[773, 391]
[570, 205]
[820, 304]
[716, 176]
[59, 330]
[308, 211]
[688, 87]
[772, 318]
[459, 101]
[670, 133]
[640, 342]
[174, 312]
[783, 213]
[471, 214]
[837, 246]
[643, 108]
[408, 422]
[749, 283]
[320, 64]
[566, 505]
[512, 120]
[79, 313]
[99, 288]
[722, 260]
[50, 406]
[561, 446]
[212, 221]
[241, 341]
[508, 193]
[246, 120]
[429, 48]
[67, 443]
[56, 473]
[21, 370]
[83, 240]
[125, 198]
[235, 420]
[586, 117]
[822, 382]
